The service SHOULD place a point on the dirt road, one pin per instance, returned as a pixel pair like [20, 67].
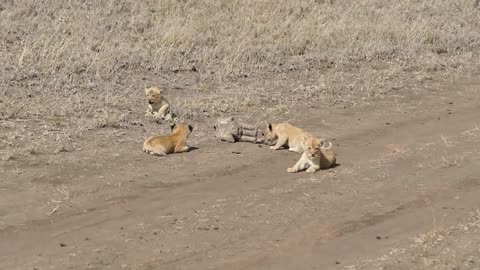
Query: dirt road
[405, 168]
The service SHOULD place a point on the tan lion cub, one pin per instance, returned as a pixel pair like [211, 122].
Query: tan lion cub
[286, 135]
[158, 106]
[176, 142]
[316, 156]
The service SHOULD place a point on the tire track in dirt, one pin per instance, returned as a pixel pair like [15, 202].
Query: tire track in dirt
[345, 227]
[187, 195]
[320, 247]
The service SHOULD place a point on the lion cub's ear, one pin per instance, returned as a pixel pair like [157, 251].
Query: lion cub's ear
[190, 128]
[320, 142]
[157, 90]
[269, 126]
[172, 126]
[153, 90]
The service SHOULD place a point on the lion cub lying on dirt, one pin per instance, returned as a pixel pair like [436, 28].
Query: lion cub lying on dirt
[176, 142]
[315, 157]
[158, 105]
[286, 135]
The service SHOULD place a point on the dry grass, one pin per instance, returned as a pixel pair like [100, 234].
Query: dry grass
[456, 247]
[85, 63]
[98, 40]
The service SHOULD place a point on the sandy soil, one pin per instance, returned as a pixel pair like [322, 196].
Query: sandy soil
[408, 165]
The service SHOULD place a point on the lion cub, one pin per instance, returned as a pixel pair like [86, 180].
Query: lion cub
[316, 156]
[158, 105]
[286, 135]
[176, 142]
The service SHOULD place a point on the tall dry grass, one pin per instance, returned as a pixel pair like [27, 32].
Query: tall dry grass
[106, 37]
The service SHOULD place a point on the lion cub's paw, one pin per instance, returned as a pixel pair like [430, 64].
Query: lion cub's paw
[292, 170]
[159, 153]
[158, 117]
[311, 170]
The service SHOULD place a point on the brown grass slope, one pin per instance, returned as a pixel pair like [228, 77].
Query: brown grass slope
[85, 63]
[106, 37]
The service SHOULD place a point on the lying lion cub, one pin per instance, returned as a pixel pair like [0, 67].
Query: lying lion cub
[315, 157]
[158, 106]
[286, 135]
[176, 142]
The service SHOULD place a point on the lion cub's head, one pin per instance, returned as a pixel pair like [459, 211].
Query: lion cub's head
[313, 146]
[153, 95]
[270, 135]
[181, 128]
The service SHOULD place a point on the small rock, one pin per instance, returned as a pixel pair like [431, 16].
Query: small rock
[441, 51]
[62, 245]
[61, 149]
[136, 123]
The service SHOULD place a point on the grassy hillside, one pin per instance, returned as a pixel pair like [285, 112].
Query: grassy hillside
[107, 37]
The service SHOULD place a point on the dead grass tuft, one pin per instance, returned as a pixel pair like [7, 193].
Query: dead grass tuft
[455, 247]
[110, 119]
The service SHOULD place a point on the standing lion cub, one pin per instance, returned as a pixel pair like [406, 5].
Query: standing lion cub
[158, 105]
[286, 135]
[316, 156]
[176, 142]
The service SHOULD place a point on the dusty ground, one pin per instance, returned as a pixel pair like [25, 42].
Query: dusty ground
[394, 84]
[408, 165]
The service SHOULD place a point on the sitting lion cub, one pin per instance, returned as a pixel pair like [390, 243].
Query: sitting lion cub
[176, 142]
[286, 135]
[315, 157]
[158, 106]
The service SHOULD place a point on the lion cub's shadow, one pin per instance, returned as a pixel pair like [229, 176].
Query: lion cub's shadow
[333, 166]
[192, 148]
